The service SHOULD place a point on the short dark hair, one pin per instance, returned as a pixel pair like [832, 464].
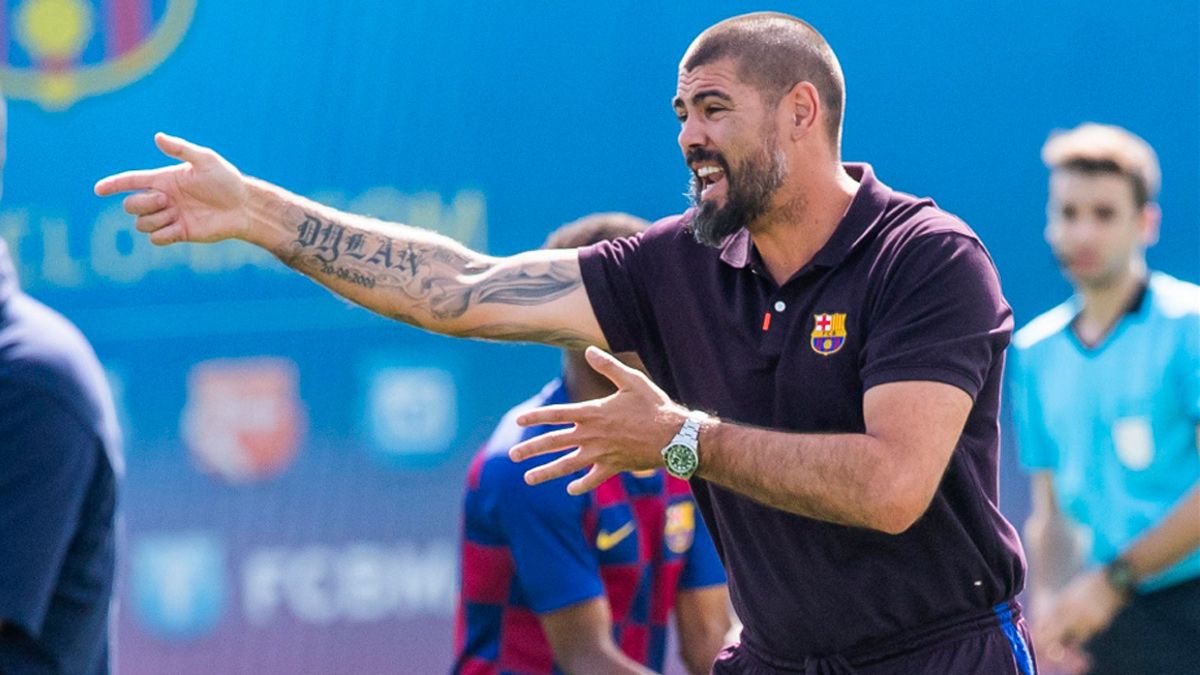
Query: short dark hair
[1104, 148]
[774, 52]
[594, 229]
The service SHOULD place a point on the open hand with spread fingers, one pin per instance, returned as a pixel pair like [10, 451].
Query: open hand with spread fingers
[201, 200]
[625, 431]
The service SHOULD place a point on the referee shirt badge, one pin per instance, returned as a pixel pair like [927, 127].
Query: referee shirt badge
[829, 333]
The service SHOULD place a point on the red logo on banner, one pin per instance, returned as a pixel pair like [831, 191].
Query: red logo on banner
[244, 419]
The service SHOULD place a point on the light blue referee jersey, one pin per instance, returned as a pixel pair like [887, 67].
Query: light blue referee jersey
[1117, 423]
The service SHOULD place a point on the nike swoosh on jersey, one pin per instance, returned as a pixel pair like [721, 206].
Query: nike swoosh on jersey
[607, 540]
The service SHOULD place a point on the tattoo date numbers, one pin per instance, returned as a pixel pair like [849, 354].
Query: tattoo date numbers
[346, 274]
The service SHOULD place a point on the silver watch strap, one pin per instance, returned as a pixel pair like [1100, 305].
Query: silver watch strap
[690, 431]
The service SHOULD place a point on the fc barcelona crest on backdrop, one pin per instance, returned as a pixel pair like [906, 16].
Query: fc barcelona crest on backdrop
[829, 333]
[56, 52]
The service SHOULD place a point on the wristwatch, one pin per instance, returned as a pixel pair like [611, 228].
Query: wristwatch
[682, 456]
[1119, 575]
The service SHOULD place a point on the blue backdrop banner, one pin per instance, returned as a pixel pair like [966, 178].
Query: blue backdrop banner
[296, 464]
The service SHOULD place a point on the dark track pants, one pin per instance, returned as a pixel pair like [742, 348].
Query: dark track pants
[1156, 634]
[995, 643]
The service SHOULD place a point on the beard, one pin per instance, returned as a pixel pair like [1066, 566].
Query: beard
[749, 188]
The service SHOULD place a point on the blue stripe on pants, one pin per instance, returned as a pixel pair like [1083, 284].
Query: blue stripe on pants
[1015, 640]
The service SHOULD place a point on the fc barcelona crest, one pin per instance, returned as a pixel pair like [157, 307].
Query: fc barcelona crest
[829, 333]
[681, 527]
[56, 52]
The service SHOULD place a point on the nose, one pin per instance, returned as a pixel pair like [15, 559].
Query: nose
[1077, 234]
[691, 133]
[1084, 229]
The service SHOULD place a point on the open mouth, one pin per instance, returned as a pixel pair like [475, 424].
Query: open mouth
[710, 178]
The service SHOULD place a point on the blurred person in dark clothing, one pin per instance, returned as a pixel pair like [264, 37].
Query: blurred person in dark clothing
[60, 460]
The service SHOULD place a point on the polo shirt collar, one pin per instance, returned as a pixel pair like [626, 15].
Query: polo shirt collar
[1133, 308]
[8, 274]
[865, 210]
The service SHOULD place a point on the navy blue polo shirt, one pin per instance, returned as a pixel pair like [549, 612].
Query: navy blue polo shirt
[60, 457]
[901, 291]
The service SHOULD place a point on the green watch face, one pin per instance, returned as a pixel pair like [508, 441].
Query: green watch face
[1120, 577]
[681, 460]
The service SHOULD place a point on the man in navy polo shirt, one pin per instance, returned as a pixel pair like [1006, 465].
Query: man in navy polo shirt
[59, 461]
[845, 343]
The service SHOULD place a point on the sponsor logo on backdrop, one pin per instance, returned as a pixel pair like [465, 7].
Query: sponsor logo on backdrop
[59, 51]
[356, 582]
[178, 584]
[412, 413]
[244, 420]
[115, 254]
[180, 592]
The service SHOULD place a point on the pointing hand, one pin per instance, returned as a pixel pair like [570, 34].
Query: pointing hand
[201, 200]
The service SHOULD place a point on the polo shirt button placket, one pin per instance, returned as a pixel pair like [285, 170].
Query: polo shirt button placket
[774, 327]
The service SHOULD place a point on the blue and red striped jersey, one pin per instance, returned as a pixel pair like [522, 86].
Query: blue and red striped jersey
[529, 550]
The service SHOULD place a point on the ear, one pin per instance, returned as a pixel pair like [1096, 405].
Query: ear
[1049, 233]
[802, 108]
[1151, 217]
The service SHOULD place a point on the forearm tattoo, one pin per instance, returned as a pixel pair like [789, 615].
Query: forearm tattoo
[511, 332]
[434, 281]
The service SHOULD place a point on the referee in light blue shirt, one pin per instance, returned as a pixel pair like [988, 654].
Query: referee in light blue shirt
[1106, 400]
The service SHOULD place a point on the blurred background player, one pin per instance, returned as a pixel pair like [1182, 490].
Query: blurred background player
[583, 584]
[1107, 402]
[60, 458]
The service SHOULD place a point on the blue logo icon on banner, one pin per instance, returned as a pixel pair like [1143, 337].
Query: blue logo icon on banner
[178, 584]
[412, 413]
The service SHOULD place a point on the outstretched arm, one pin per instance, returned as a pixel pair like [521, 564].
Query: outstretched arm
[405, 273]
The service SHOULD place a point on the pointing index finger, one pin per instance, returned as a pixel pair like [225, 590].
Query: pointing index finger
[127, 181]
